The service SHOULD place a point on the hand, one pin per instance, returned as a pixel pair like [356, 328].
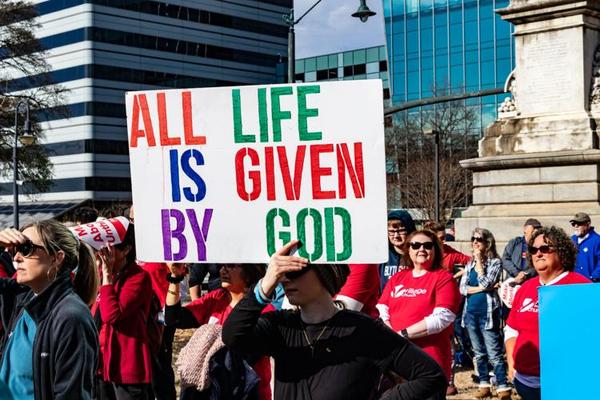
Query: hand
[511, 373]
[520, 278]
[459, 274]
[10, 237]
[177, 269]
[279, 264]
[107, 260]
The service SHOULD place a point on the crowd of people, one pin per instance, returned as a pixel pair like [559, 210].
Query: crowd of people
[100, 324]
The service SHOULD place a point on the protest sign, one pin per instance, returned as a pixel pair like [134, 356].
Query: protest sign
[100, 233]
[231, 174]
[568, 354]
[507, 291]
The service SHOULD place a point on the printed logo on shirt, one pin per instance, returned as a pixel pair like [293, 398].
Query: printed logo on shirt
[529, 306]
[44, 355]
[213, 320]
[400, 291]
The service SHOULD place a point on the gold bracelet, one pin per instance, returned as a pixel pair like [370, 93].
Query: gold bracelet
[174, 293]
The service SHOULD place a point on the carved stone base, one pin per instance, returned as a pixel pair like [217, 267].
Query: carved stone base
[540, 134]
[549, 186]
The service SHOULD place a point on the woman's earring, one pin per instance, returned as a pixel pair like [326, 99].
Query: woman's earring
[48, 274]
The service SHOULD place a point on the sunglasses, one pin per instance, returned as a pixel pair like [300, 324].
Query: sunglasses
[27, 248]
[477, 239]
[394, 232]
[418, 245]
[545, 249]
[576, 224]
[297, 274]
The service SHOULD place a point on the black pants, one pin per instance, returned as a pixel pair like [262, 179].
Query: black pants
[163, 377]
[117, 391]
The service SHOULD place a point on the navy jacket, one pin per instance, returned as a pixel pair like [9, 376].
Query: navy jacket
[65, 348]
[588, 257]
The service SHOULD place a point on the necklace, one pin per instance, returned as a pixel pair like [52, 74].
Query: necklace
[313, 343]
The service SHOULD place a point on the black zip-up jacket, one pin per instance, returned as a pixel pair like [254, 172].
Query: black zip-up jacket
[65, 348]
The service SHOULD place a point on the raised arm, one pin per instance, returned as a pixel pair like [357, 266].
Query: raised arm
[423, 376]
[132, 298]
[245, 329]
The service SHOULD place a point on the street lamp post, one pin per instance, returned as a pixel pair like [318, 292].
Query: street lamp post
[26, 139]
[436, 141]
[363, 13]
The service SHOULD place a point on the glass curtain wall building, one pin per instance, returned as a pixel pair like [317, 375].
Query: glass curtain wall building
[99, 49]
[447, 46]
[367, 63]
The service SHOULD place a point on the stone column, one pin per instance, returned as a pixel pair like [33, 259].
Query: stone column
[541, 157]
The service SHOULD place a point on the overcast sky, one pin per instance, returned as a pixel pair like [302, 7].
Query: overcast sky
[329, 28]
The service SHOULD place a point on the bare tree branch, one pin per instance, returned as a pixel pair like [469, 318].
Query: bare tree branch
[410, 157]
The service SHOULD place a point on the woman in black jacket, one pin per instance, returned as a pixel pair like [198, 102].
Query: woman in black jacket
[50, 344]
[320, 351]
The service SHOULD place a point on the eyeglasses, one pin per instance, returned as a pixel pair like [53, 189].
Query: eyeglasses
[477, 239]
[394, 232]
[27, 248]
[545, 249]
[297, 274]
[418, 245]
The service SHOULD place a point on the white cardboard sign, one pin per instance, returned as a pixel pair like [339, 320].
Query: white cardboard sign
[231, 174]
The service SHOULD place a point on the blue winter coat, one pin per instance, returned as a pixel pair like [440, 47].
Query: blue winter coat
[588, 257]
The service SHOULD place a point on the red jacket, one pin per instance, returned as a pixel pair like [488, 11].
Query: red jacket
[124, 308]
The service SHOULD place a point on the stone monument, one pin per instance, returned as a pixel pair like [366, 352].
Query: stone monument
[541, 157]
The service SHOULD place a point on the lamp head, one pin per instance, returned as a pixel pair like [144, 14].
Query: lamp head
[27, 138]
[363, 13]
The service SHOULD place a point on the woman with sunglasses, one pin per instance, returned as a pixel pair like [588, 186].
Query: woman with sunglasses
[214, 308]
[481, 313]
[50, 344]
[322, 351]
[122, 313]
[420, 303]
[552, 253]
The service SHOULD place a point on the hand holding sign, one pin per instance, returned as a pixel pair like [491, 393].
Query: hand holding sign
[177, 269]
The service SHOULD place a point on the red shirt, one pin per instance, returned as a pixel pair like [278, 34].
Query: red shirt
[214, 308]
[524, 318]
[410, 299]
[362, 285]
[158, 274]
[453, 256]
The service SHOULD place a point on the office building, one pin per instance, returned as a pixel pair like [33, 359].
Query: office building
[99, 49]
[368, 63]
[438, 47]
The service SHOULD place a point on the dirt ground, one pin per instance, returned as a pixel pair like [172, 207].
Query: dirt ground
[463, 380]
[466, 387]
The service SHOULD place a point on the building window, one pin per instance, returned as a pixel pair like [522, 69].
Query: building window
[322, 74]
